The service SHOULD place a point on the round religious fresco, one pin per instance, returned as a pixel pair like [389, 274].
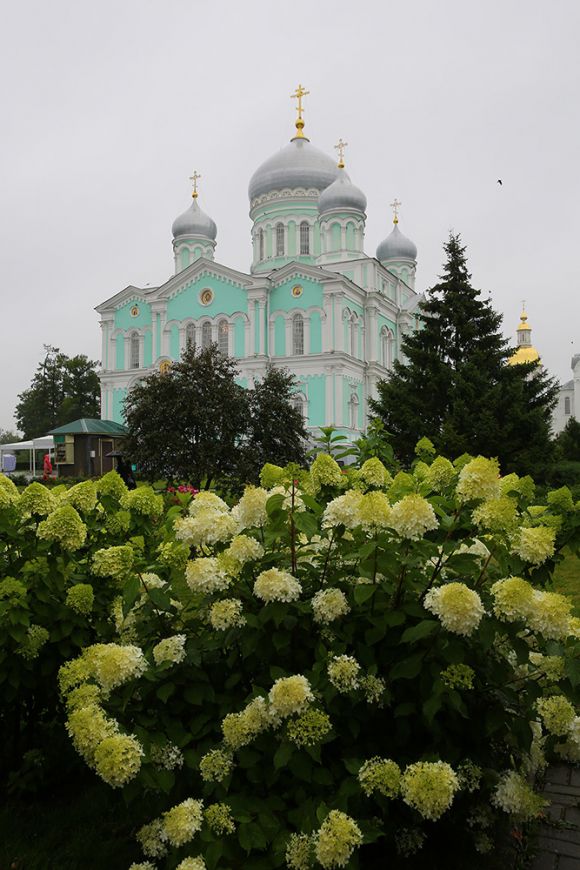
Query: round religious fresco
[135, 311]
[297, 291]
[164, 366]
[206, 296]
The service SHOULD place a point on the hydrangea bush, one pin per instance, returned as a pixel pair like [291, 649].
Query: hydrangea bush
[344, 669]
[65, 557]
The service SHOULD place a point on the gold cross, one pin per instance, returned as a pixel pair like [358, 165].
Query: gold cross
[300, 92]
[395, 205]
[340, 146]
[194, 179]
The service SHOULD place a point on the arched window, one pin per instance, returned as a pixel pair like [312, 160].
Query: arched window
[261, 244]
[304, 238]
[190, 335]
[279, 240]
[353, 411]
[298, 335]
[206, 335]
[354, 335]
[299, 404]
[223, 338]
[567, 404]
[134, 356]
[387, 347]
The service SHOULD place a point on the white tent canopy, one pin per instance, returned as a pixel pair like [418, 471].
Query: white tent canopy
[46, 442]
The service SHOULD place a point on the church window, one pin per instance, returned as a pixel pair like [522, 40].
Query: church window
[223, 338]
[304, 238]
[134, 358]
[261, 244]
[567, 404]
[205, 335]
[354, 335]
[190, 335]
[353, 411]
[279, 240]
[297, 335]
[299, 404]
[387, 339]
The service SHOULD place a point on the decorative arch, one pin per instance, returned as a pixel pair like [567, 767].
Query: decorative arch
[190, 334]
[387, 344]
[223, 336]
[300, 404]
[206, 334]
[304, 238]
[298, 334]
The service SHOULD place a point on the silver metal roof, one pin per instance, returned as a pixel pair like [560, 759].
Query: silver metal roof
[298, 164]
[342, 193]
[397, 247]
[194, 222]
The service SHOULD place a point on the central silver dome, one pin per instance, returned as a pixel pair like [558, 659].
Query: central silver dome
[342, 193]
[194, 222]
[298, 164]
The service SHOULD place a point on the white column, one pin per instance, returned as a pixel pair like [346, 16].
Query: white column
[289, 343]
[127, 352]
[372, 334]
[261, 306]
[327, 343]
[306, 333]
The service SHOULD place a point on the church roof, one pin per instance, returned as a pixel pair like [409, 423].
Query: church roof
[396, 247]
[298, 164]
[342, 194]
[194, 222]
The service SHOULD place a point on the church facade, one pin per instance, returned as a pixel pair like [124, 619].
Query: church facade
[312, 300]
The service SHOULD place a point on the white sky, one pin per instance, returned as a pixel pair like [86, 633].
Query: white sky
[107, 107]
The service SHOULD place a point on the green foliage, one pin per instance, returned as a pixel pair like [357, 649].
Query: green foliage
[195, 423]
[8, 437]
[316, 633]
[567, 442]
[62, 389]
[456, 386]
[52, 603]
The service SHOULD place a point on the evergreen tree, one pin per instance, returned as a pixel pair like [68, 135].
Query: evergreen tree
[568, 441]
[191, 422]
[63, 389]
[277, 432]
[456, 386]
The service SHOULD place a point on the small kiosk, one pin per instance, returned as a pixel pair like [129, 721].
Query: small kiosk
[81, 447]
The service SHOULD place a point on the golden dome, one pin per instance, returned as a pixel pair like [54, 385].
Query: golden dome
[524, 322]
[524, 354]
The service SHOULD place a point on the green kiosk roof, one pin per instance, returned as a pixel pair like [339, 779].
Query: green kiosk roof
[88, 426]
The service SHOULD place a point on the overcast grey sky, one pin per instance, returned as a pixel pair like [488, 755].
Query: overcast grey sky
[106, 108]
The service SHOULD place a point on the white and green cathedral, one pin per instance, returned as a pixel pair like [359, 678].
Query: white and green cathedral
[313, 301]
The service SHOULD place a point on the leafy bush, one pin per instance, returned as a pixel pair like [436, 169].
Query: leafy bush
[53, 602]
[348, 669]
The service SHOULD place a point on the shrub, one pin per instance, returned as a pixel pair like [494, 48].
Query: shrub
[340, 679]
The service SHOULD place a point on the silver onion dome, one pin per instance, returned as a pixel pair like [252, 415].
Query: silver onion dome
[194, 222]
[397, 247]
[342, 194]
[298, 164]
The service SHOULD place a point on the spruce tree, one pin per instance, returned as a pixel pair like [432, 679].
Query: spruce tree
[456, 387]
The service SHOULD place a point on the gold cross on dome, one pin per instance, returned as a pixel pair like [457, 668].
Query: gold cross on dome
[395, 205]
[300, 92]
[340, 146]
[194, 179]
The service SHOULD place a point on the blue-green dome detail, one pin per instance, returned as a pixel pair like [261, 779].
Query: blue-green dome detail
[298, 164]
[194, 222]
[342, 194]
[397, 247]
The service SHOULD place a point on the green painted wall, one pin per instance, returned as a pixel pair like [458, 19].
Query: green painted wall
[291, 238]
[228, 298]
[281, 297]
[242, 382]
[120, 352]
[279, 336]
[119, 395]
[174, 343]
[315, 333]
[316, 240]
[184, 258]
[148, 349]
[354, 306]
[316, 395]
[157, 335]
[335, 241]
[239, 337]
[124, 320]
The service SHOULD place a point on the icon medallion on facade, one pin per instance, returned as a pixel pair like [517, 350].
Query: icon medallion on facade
[135, 311]
[206, 296]
[297, 291]
[164, 366]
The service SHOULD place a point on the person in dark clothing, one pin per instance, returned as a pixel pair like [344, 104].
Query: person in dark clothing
[126, 473]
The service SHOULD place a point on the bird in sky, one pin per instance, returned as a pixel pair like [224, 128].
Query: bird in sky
[499, 181]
